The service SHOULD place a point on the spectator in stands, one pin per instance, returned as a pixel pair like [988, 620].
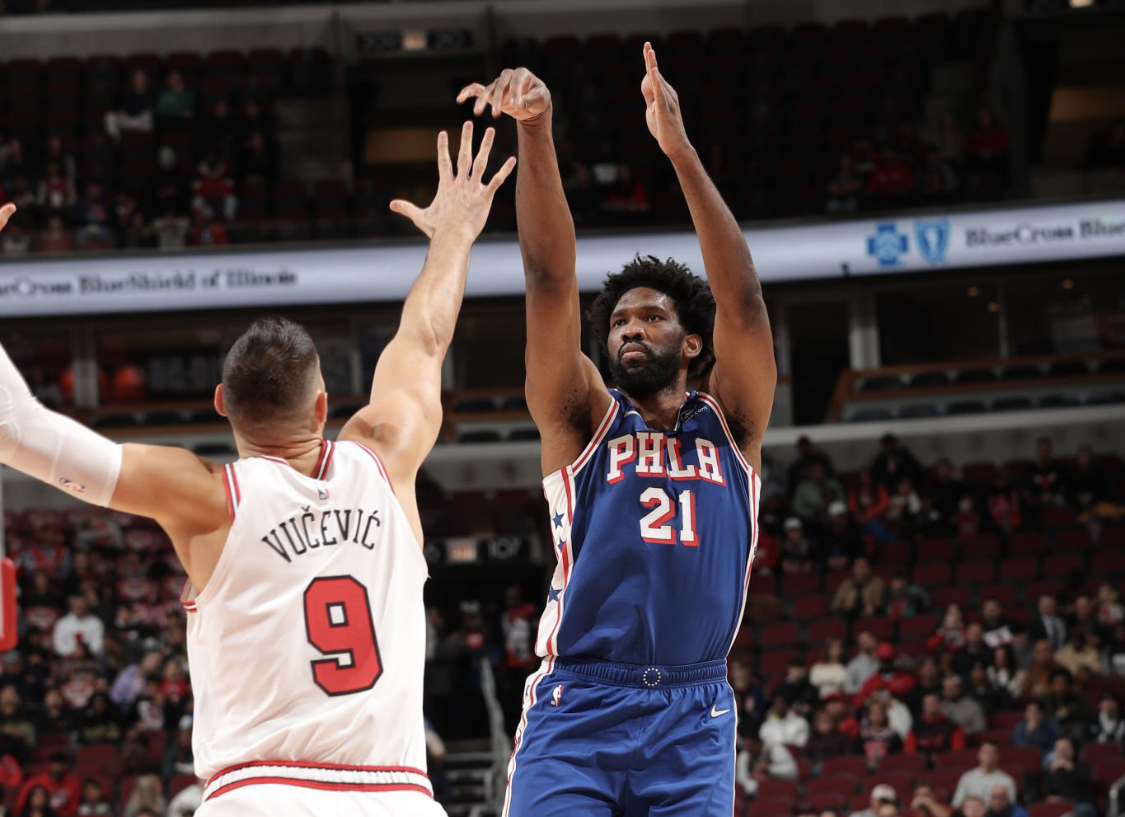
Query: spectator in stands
[972, 807]
[100, 722]
[881, 794]
[1108, 725]
[152, 712]
[929, 681]
[206, 231]
[840, 542]
[760, 761]
[796, 549]
[1001, 803]
[56, 191]
[798, 689]
[583, 195]
[171, 231]
[1048, 625]
[256, 162]
[135, 111]
[1114, 657]
[38, 804]
[992, 697]
[891, 181]
[17, 732]
[846, 188]
[55, 238]
[93, 802]
[839, 706]
[1069, 709]
[980, 781]
[905, 599]
[869, 503]
[1083, 617]
[1005, 508]
[146, 796]
[950, 634]
[784, 725]
[925, 803]
[188, 801]
[934, 731]
[219, 127]
[996, 631]
[517, 625]
[1109, 610]
[78, 626]
[1045, 481]
[967, 520]
[1086, 483]
[830, 674]
[960, 708]
[179, 759]
[898, 682]
[56, 152]
[986, 154]
[175, 104]
[865, 663]
[974, 652]
[1080, 655]
[878, 737]
[826, 740]
[138, 233]
[15, 243]
[815, 493]
[905, 508]
[93, 216]
[62, 787]
[626, 195]
[15, 673]
[936, 180]
[212, 187]
[16, 166]
[1069, 779]
[53, 718]
[862, 594]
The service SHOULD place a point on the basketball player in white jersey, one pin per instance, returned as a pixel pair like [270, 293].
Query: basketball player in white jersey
[306, 628]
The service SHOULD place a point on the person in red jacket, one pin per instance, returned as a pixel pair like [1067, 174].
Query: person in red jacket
[63, 786]
[897, 682]
[934, 732]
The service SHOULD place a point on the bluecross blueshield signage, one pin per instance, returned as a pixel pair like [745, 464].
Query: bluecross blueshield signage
[277, 277]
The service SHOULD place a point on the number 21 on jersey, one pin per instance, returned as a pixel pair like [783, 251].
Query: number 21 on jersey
[657, 525]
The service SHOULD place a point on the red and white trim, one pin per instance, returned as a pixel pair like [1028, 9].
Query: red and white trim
[378, 464]
[531, 695]
[599, 435]
[188, 603]
[234, 494]
[324, 776]
[327, 447]
[714, 404]
[754, 496]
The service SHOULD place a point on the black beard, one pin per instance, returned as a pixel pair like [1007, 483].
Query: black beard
[657, 374]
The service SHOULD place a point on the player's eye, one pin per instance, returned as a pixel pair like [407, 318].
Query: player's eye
[618, 323]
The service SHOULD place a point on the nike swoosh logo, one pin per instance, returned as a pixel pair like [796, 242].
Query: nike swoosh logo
[716, 713]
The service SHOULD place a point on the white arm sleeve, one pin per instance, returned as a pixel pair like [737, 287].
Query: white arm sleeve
[51, 447]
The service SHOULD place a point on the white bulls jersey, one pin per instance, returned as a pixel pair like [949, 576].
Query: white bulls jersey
[307, 646]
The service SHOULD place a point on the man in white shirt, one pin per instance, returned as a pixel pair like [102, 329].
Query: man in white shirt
[864, 665]
[187, 801]
[979, 782]
[757, 762]
[78, 625]
[784, 726]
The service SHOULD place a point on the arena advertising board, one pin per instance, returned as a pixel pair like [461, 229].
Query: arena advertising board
[826, 250]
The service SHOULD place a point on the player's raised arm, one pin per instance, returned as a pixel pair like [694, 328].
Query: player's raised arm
[172, 485]
[745, 373]
[403, 419]
[564, 389]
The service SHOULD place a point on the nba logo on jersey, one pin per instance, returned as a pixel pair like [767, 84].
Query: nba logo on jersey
[322, 492]
[556, 695]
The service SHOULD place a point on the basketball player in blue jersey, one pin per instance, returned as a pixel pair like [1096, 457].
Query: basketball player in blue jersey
[652, 490]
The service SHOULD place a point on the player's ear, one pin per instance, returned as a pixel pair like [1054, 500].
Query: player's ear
[693, 346]
[219, 407]
[321, 407]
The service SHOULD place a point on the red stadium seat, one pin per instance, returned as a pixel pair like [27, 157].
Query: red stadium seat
[844, 785]
[1027, 543]
[810, 607]
[979, 473]
[918, 626]
[977, 571]
[1028, 757]
[879, 626]
[901, 782]
[824, 801]
[933, 574]
[944, 596]
[943, 778]
[913, 764]
[1001, 737]
[1072, 540]
[855, 766]
[959, 759]
[776, 787]
[835, 578]
[770, 807]
[799, 584]
[1055, 809]
[779, 635]
[1057, 516]
[1094, 753]
[821, 631]
[1046, 588]
[1061, 564]
[1108, 563]
[1003, 593]
[1020, 569]
[982, 546]
[1108, 772]
[774, 662]
[938, 550]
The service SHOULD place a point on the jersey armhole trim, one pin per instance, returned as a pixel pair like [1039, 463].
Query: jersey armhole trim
[715, 407]
[230, 484]
[380, 466]
[592, 446]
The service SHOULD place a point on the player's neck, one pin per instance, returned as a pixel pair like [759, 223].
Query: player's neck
[661, 410]
[300, 448]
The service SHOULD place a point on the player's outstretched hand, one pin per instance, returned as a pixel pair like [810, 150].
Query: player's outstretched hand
[6, 212]
[662, 111]
[463, 200]
[516, 92]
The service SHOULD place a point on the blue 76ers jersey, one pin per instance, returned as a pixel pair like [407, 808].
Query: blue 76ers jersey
[655, 533]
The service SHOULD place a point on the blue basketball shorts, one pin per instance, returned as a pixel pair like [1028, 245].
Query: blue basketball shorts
[599, 739]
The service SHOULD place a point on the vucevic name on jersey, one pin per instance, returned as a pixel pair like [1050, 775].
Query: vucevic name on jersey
[655, 534]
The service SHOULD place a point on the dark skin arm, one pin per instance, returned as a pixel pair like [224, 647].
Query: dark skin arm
[745, 373]
[565, 393]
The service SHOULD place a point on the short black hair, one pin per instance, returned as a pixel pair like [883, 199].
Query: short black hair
[695, 305]
[269, 370]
